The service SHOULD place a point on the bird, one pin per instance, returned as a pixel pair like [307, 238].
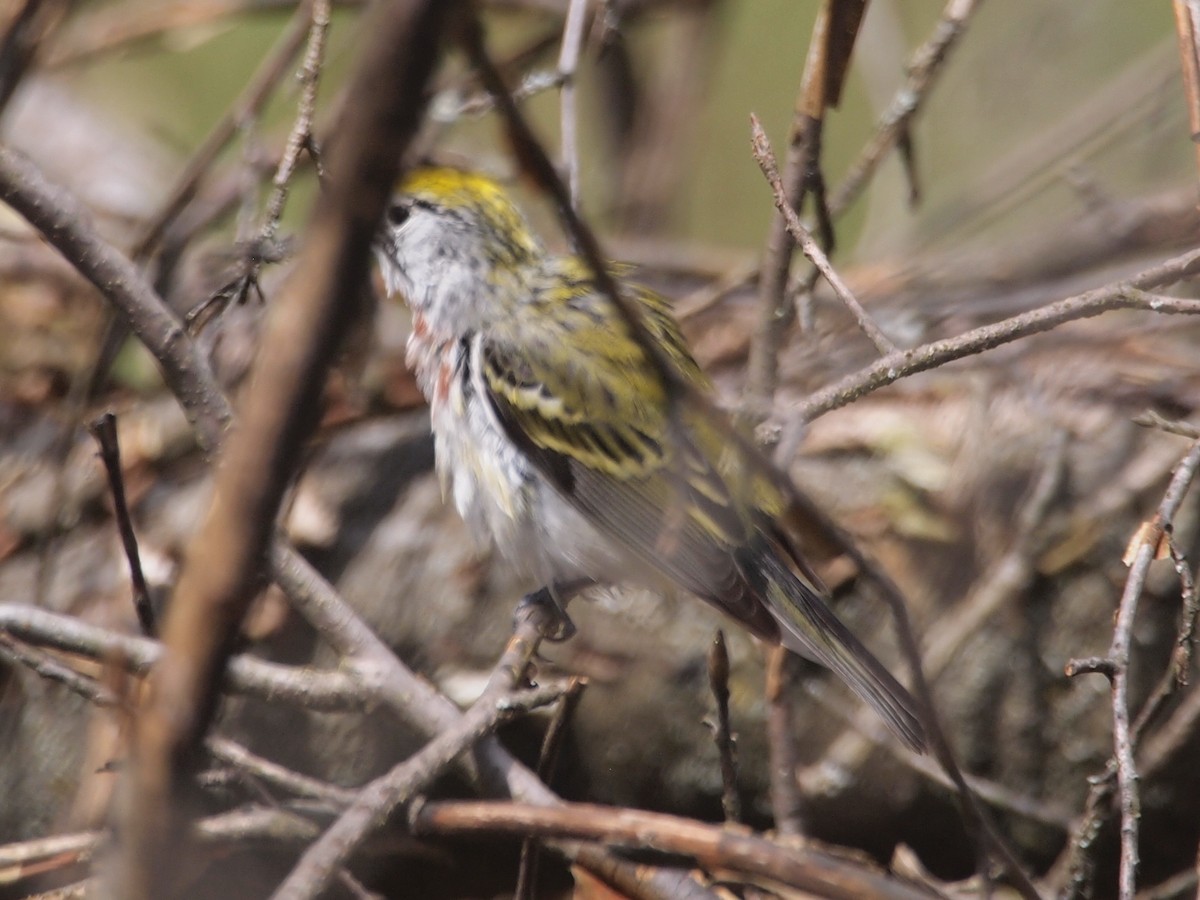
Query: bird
[561, 442]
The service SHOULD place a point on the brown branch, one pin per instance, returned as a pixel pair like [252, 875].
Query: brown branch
[552, 742]
[63, 220]
[714, 847]
[104, 430]
[311, 688]
[1120, 774]
[376, 800]
[1130, 293]
[27, 29]
[248, 104]
[568, 62]
[787, 802]
[718, 683]
[224, 563]
[1151, 419]
[766, 161]
[1187, 28]
[894, 125]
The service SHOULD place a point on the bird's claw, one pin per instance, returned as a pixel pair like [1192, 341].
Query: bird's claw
[552, 619]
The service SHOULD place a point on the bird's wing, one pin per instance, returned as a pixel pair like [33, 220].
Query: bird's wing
[576, 392]
[573, 389]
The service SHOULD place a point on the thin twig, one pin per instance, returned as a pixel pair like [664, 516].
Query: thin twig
[1151, 419]
[787, 802]
[718, 683]
[548, 755]
[264, 246]
[42, 663]
[248, 104]
[766, 161]
[1122, 740]
[1119, 651]
[716, 848]
[1130, 293]
[104, 430]
[923, 68]
[376, 800]
[310, 688]
[302, 128]
[568, 62]
[835, 30]
[1120, 774]
[301, 785]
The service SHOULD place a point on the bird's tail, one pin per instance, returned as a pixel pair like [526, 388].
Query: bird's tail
[810, 628]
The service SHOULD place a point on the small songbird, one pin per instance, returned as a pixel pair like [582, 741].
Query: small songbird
[561, 443]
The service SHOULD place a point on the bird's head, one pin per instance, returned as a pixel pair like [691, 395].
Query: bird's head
[454, 246]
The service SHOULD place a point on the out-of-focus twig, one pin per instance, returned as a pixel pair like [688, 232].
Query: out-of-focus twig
[714, 847]
[787, 802]
[718, 682]
[552, 743]
[25, 29]
[923, 68]
[825, 66]
[104, 430]
[225, 561]
[376, 800]
[1121, 772]
[1187, 28]
[311, 688]
[568, 62]
[799, 234]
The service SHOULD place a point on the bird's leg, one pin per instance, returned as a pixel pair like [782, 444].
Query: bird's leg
[551, 602]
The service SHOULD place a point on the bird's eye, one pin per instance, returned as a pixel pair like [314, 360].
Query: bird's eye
[397, 213]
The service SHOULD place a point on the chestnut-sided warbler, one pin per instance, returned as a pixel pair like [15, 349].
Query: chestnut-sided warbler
[556, 437]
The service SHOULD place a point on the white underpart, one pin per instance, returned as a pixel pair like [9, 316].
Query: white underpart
[504, 500]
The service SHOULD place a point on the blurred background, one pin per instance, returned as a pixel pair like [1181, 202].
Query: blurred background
[1053, 154]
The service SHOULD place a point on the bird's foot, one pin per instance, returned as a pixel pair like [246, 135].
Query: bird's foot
[552, 619]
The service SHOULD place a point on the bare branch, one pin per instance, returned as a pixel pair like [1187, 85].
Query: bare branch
[1121, 772]
[311, 688]
[715, 848]
[718, 682]
[923, 69]
[64, 222]
[766, 161]
[568, 62]
[1129, 293]
[105, 431]
[225, 560]
[376, 800]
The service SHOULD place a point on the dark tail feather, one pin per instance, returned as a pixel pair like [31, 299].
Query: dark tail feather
[810, 628]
